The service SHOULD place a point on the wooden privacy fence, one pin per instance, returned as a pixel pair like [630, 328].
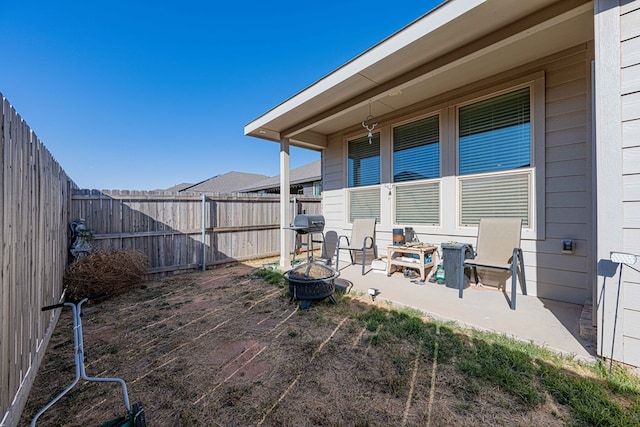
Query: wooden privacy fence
[34, 211]
[38, 201]
[178, 231]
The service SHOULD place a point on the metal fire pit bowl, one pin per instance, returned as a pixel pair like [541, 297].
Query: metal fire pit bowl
[311, 282]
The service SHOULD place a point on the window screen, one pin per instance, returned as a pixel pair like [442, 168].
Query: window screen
[364, 204]
[495, 134]
[364, 161]
[418, 204]
[500, 196]
[416, 150]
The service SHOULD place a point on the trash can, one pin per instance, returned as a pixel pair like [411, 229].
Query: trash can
[453, 255]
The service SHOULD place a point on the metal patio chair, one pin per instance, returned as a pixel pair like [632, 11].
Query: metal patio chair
[498, 247]
[329, 245]
[363, 237]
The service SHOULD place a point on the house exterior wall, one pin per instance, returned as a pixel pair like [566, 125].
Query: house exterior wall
[630, 115]
[563, 170]
[617, 127]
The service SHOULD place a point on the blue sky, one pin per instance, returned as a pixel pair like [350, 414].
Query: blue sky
[142, 95]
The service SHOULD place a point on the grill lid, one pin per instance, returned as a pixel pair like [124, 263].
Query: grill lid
[304, 223]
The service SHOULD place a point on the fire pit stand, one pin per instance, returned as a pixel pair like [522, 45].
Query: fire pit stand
[311, 282]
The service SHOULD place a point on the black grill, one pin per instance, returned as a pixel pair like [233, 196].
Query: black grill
[304, 223]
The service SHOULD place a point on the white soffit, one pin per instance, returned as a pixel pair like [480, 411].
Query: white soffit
[325, 106]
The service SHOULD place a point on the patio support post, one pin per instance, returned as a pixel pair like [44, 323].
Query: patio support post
[285, 220]
[609, 185]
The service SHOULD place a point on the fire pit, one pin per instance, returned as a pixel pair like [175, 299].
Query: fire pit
[311, 282]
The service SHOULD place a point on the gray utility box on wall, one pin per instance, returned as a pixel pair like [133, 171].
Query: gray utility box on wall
[453, 255]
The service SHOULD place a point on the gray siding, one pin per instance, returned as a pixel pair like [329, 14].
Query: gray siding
[630, 102]
[567, 180]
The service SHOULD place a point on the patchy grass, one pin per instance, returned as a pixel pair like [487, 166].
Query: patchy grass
[225, 347]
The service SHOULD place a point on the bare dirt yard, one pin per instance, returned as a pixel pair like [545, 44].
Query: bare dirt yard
[226, 348]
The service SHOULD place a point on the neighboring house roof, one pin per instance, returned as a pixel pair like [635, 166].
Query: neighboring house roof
[456, 44]
[229, 182]
[179, 187]
[311, 172]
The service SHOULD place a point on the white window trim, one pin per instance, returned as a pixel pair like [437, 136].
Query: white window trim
[536, 82]
[449, 188]
[523, 171]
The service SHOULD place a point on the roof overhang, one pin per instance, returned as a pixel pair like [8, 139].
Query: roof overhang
[456, 44]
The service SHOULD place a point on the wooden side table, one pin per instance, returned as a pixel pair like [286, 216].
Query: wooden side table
[421, 250]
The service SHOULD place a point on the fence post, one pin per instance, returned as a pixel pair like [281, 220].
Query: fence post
[204, 228]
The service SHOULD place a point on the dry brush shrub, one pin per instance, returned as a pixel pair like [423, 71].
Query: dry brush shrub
[105, 272]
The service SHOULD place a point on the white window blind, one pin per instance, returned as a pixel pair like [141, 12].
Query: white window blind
[364, 161]
[416, 150]
[364, 204]
[495, 134]
[496, 196]
[418, 204]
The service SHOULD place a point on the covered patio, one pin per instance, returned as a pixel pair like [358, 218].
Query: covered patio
[408, 136]
[549, 323]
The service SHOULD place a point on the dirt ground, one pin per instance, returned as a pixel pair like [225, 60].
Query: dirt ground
[224, 348]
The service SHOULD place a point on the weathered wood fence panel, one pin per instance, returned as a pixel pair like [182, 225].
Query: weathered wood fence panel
[35, 202]
[177, 231]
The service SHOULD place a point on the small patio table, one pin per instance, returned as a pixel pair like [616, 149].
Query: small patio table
[396, 256]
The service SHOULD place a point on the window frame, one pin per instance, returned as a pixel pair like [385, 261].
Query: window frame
[363, 189]
[432, 113]
[486, 98]
[528, 172]
[347, 171]
[536, 83]
[394, 207]
[450, 197]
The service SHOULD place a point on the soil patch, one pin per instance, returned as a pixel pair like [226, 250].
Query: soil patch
[225, 348]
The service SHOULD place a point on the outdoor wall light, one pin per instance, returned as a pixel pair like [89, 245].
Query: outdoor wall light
[568, 246]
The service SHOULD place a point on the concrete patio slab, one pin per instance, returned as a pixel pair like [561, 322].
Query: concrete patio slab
[553, 324]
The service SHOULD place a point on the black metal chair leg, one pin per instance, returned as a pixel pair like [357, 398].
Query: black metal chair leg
[514, 278]
[522, 276]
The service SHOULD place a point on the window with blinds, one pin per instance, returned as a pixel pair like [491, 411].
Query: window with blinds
[496, 196]
[418, 204]
[495, 134]
[364, 161]
[364, 204]
[416, 150]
